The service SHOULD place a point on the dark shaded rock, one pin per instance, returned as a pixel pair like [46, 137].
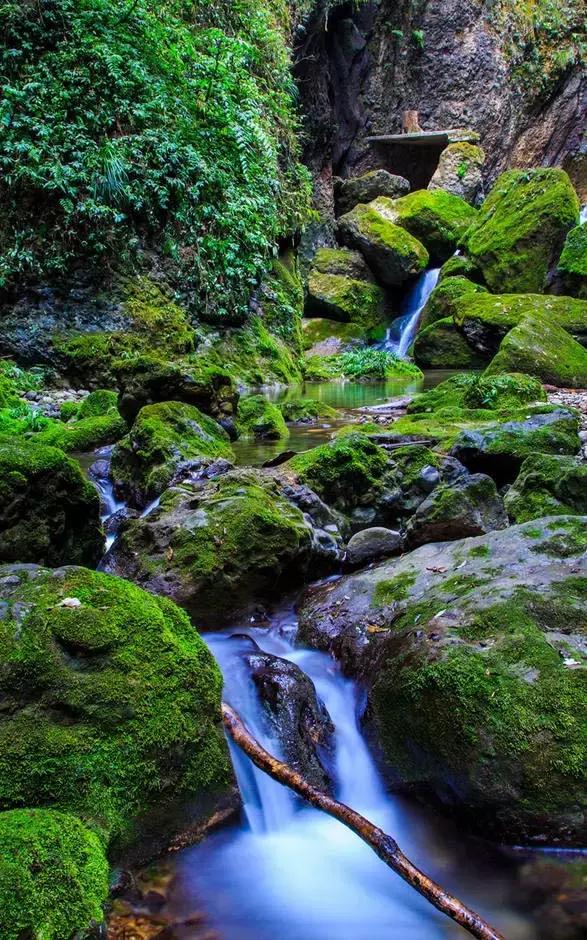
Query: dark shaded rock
[372, 545]
[548, 486]
[300, 721]
[473, 654]
[468, 507]
[555, 889]
[349, 193]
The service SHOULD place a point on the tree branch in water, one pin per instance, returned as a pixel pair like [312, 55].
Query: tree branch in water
[382, 844]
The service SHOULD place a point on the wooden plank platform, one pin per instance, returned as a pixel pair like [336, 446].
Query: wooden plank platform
[427, 138]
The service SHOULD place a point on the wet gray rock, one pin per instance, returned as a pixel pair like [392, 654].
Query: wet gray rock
[299, 719]
[470, 506]
[349, 193]
[371, 545]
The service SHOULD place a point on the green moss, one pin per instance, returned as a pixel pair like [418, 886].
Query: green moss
[360, 365]
[461, 266]
[282, 301]
[53, 876]
[442, 300]
[395, 589]
[498, 393]
[572, 264]
[343, 471]
[342, 262]
[163, 437]
[68, 410]
[569, 542]
[436, 218]
[486, 318]
[548, 486]
[98, 403]
[252, 355]
[542, 349]
[392, 252]
[261, 418]
[480, 551]
[156, 317]
[318, 329]
[82, 435]
[345, 299]
[410, 461]
[306, 410]
[114, 704]
[441, 346]
[521, 228]
[49, 512]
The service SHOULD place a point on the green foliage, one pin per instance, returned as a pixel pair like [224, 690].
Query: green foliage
[53, 875]
[370, 363]
[162, 124]
[418, 38]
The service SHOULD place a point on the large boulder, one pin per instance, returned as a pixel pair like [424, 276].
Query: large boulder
[500, 393]
[459, 171]
[392, 253]
[471, 652]
[441, 346]
[521, 228]
[111, 703]
[543, 349]
[164, 437]
[466, 507]
[548, 486]
[219, 546]
[436, 218]
[361, 189]
[261, 418]
[443, 300]
[341, 287]
[372, 544]
[571, 271]
[49, 512]
[53, 876]
[499, 448]
[484, 319]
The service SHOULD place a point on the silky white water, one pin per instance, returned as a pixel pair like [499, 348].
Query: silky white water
[402, 332]
[292, 872]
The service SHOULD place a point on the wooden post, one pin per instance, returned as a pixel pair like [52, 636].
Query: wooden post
[410, 123]
[382, 844]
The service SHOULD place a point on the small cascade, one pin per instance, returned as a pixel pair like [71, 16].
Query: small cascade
[583, 215]
[402, 331]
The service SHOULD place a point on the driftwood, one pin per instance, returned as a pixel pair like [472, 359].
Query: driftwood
[382, 844]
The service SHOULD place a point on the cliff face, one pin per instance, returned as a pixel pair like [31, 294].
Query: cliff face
[509, 70]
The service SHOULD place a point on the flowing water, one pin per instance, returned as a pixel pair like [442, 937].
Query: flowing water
[402, 332]
[291, 872]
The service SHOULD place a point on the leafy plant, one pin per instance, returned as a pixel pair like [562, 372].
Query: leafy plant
[418, 38]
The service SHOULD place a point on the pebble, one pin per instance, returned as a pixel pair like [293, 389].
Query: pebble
[572, 398]
[48, 401]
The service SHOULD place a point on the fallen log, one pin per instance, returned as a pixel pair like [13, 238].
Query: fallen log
[382, 844]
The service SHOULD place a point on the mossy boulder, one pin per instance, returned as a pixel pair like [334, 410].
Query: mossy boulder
[53, 876]
[473, 659]
[442, 302]
[436, 218]
[465, 507]
[345, 473]
[500, 448]
[500, 393]
[330, 337]
[307, 411]
[49, 512]
[261, 418]
[571, 270]
[112, 703]
[219, 546]
[101, 402]
[392, 253]
[342, 262]
[82, 434]
[345, 299]
[441, 346]
[148, 380]
[548, 486]
[459, 171]
[461, 266]
[163, 438]
[361, 189]
[541, 348]
[484, 319]
[521, 228]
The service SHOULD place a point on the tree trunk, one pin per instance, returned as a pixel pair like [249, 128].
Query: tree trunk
[382, 844]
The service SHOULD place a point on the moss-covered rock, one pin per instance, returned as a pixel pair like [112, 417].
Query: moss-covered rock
[443, 299]
[281, 302]
[163, 437]
[472, 652]
[261, 418]
[345, 472]
[219, 546]
[461, 266]
[53, 876]
[361, 189]
[392, 253]
[543, 349]
[307, 411]
[571, 271]
[484, 319]
[521, 228]
[548, 486]
[49, 512]
[465, 507]
[441, 346]
[113, 702]
[342, 262]
[253, 355]
[82, 434]
[436, 218]
[459, 171]
[345, 299]
[101, 402]
[498, 393]
[148, 380]
[330, 337]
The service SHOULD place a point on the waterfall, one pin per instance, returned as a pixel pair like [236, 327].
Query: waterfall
[402, 331]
